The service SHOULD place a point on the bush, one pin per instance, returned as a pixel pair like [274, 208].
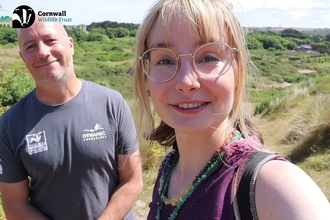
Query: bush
[13, 86]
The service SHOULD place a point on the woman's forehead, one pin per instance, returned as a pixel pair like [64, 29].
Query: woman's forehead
[184, 30]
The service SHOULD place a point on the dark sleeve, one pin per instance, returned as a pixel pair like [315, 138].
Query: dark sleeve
[11, 169]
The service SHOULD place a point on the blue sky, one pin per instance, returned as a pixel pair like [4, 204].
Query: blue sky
[251, 13]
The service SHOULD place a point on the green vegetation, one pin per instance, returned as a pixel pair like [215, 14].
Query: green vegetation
[290, 85]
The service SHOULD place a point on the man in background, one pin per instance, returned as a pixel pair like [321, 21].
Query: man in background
[68, 149]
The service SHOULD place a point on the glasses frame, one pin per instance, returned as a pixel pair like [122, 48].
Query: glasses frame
[142, 58]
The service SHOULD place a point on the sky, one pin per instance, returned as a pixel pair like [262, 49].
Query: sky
[251, 13]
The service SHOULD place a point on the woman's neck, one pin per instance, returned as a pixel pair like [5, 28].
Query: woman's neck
[196, 150]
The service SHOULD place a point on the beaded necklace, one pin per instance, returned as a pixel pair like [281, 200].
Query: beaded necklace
[205, 172]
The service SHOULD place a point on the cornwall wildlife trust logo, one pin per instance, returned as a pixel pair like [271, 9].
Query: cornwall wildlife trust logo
[23, 17]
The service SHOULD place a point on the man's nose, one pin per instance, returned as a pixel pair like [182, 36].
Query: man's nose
[43, 50]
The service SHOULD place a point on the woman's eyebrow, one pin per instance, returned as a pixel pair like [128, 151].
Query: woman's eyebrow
[163, 44]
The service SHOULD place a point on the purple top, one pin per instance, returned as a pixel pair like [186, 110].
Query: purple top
[213, 198]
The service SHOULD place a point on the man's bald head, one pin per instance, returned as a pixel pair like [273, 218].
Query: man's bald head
[41, 26]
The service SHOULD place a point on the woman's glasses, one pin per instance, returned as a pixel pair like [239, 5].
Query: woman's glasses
[210, 60]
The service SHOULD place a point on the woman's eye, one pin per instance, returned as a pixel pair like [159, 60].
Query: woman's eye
[209, 59]
[165, 62]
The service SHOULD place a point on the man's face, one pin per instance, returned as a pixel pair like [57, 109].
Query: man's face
[47, 51]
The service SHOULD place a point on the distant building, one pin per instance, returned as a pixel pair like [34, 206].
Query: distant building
[306, 48]
[315, 48]
[83, 27]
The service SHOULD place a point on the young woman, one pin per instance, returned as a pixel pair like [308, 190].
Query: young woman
[192, 61]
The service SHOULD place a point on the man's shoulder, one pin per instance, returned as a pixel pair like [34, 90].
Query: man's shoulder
[100, 88]
[16, 109]
[95, 85]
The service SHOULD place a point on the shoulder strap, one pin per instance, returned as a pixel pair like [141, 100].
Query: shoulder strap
[246, 176]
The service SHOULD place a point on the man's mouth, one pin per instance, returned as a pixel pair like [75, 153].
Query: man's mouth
[45, 64]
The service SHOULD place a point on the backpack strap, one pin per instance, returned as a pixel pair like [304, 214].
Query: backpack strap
[245, 184]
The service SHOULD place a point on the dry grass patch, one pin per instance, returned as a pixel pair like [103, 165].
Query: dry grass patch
[6, 61]
[318, 168]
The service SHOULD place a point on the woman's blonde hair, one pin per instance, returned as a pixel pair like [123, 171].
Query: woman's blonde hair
[212, 20]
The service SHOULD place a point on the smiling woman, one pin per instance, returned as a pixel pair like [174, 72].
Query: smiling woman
[192, 62]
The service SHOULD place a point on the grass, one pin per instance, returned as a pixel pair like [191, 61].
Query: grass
[318, 168]
[298, 127]
[312, 127]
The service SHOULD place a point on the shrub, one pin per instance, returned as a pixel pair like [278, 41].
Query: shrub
[13, 86]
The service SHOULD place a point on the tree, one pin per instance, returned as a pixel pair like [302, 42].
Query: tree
[253, 42]
[292, 33]
[110, 32]
[77, 34]
[271, 42]
[121, 32]
[327, 37]
[8, 35]
[98, 31]
[112, 24]
[320, 47]
[96, 37]
[132, 33]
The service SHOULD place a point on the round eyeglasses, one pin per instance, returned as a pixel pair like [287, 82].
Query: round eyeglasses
[210, 60]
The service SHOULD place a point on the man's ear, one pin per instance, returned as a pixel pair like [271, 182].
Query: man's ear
[71, 43]
[20, 54]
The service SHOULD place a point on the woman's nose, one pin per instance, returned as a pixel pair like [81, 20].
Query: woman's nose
[187, 79]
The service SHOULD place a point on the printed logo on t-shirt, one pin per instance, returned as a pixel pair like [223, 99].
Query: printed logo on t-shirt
[36, 142]
[95, 133]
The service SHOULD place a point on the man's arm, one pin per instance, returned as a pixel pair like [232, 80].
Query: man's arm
[15, 202]
[129, 188]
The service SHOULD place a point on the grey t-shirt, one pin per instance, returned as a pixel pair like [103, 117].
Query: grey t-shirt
[68, 151]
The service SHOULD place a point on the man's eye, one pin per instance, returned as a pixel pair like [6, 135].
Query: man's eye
[30, 47]
[51, 40]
